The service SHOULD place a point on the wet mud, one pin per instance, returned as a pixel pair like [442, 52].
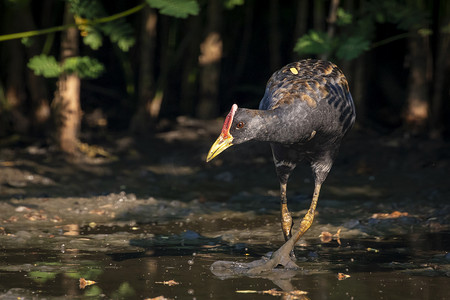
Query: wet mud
[150, 219]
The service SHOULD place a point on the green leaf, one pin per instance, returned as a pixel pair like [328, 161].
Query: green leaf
[343, 17]
[120, 33]
[314, 42]
[352, 47]
[41, 277]
[84, 67]
[45, 65]
[230, 4]
[175, 8]
[93, 38]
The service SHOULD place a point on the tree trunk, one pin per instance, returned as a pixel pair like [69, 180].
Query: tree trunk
[190, 73]
[319, 15]
[66, 105]
[331, 24]
[40, 107]
[301, 23]
[143, 117]
[243, 39]
[416, 112]
[209, 61]
[15, 118]
[274, 36]
[442, 64]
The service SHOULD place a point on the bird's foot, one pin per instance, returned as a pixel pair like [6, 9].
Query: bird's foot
[282, 257]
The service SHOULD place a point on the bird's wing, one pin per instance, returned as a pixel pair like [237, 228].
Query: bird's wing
[307, 80]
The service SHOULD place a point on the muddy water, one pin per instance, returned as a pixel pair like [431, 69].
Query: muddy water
[177, 266]
[152, 226]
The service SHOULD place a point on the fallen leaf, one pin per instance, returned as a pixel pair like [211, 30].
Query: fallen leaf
[99, 212]
[338, 236]
[84, 283]
[35, 216]
[392, 215]
[273, 292]
[326, 237]
[71, 229]
[56, 219]
[169, 282]
[373, 250]
[22, 209]
[11, 219]
[342, 276]
[276, 293]
[246, 291]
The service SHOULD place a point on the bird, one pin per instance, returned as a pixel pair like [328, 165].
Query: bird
[306, 110]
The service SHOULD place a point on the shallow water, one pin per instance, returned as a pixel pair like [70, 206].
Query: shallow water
[401, 267]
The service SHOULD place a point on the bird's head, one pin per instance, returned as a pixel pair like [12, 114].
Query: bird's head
[240, 126]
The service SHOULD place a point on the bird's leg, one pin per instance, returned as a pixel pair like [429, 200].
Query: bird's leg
[282, 255]
[309, 217]
[286, 218]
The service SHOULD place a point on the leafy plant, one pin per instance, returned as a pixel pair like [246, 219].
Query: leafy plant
[84, 66]
[356, 32]
[118, 30]
[175, 8]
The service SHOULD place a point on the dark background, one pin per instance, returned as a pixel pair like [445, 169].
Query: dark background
[388, 78]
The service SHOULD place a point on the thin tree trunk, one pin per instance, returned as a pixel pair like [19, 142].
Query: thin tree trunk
[243, 40]
[190, 73]
[441, 69]
[416, 112]
[40, 107]
[319, 15]
[15, 93]
[274, 36]
[209, 61]
[144, 116]
[301, 23]
[67, 97]
[331, 21]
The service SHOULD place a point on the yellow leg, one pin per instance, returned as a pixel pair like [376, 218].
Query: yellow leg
[309, 217]
[282, 255]
[286, 218]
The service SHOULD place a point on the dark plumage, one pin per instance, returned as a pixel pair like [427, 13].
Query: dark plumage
[304, 114]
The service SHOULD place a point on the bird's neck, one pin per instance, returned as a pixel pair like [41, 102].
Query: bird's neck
[281, 126]
[270, 126]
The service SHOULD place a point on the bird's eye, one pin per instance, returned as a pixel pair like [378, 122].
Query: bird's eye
[240, 125]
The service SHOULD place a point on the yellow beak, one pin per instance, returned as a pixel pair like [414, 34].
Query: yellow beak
[219, 146]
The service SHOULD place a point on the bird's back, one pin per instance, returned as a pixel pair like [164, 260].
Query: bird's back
[316, 91]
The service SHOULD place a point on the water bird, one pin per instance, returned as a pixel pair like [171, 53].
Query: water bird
[304, 114]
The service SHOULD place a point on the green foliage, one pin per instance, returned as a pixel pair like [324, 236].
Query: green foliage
[84, 66]
[230, 4]
[314, 42]
[175, 8]
[125, 290]
[47, 66]
[42, 277]
[356, 32]
[93, 291]
[119, 31]
[93, 38]
[343, 17]
[44, 65]
[352, 47]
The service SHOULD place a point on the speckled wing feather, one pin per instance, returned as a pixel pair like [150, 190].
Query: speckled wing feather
[312, 82]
